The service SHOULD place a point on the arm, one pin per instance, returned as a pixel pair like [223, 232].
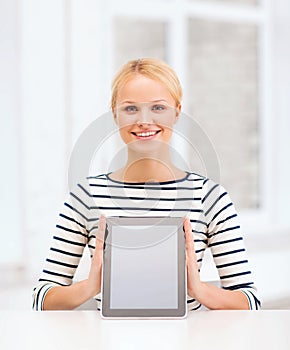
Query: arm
[224, 238]
[208, 295]
[220, 299]
[67, 297]
[75, 229]
[70, 297]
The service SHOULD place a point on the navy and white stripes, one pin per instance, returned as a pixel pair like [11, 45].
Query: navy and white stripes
[213, 218]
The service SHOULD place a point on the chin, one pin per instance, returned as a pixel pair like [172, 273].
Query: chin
[147, 147]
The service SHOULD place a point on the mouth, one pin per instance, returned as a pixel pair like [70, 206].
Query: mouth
[146, 135]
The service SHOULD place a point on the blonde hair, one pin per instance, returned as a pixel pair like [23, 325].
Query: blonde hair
[151, 68]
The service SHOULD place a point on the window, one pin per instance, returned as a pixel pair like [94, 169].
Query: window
[138, 38]
[223, 97]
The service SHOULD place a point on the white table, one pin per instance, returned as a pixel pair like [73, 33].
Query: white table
[200, 330]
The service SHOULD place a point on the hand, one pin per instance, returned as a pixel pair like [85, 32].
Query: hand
[95, 275]
[193, 277]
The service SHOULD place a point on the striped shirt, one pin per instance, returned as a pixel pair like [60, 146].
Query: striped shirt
[213, 219]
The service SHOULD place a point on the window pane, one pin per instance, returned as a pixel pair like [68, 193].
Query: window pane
[138, 38]
[223, 98]
[243, 2]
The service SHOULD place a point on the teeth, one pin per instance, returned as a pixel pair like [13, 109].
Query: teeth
[146, 134]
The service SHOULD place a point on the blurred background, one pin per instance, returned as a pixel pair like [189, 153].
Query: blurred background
[57, 60]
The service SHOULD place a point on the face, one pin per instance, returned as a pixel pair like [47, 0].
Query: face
[145, 113]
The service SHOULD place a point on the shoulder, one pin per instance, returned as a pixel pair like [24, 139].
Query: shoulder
[93, 178]
[210, 189]
[203, 180]
[196, 179]
[83, 188]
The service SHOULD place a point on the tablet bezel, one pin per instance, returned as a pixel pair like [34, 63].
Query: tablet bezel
[181, 310]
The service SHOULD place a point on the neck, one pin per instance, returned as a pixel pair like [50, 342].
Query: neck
[150, 168]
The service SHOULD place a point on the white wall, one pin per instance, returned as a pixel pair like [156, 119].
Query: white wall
[281, 107]
[44, 121]
[11, 216]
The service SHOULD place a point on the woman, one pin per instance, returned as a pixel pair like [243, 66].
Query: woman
[146, 103]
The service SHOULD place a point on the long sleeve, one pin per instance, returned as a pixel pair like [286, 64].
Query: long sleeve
[73, 231]
[225, 239]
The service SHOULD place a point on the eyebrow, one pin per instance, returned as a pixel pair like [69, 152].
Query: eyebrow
[159, 100]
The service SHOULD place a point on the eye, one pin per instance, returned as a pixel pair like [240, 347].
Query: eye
[159, 108]
[130, 109]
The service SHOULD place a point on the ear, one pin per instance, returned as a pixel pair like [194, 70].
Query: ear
[115, 117]
[178, 110]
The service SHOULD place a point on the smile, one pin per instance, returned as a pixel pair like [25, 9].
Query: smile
[146, 135]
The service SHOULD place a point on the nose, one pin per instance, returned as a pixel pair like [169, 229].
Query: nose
[145, 117]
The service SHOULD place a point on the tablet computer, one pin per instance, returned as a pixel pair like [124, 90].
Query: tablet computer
[144, 269]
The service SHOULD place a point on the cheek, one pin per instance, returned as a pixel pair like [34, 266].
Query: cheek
[167, 133]
[167, 126]
[125, 133]
[124, 123]
[124, 128]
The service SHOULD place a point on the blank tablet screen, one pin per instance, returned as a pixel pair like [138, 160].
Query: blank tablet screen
[144, 273]
[144, 267]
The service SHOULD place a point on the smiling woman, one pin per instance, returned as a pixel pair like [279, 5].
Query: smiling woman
[146, 103]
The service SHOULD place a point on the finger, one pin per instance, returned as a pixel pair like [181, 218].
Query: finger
[188, 233]
[189, 240]
[101, 228]
[100, 235]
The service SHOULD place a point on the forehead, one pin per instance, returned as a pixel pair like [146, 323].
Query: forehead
[140, 88]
